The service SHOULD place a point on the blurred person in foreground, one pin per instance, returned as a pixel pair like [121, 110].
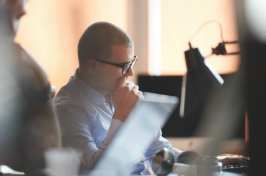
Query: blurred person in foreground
[28, 122]
[96, 101]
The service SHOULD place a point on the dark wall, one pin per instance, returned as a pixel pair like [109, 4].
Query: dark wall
[176, 126]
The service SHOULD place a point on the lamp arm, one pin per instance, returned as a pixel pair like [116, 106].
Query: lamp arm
[231, 42]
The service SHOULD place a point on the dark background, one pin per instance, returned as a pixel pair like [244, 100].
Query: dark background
[176, 126]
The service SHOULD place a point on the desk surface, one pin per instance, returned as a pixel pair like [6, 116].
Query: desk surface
[235, 146]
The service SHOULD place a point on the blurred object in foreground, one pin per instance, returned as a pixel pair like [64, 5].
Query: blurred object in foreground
[65, 161]
[12, 103]
[7, 170]
[251, 17]
[28, 121]
[255, 19]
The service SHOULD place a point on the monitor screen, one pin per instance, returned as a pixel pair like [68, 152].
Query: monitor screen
[177, 126]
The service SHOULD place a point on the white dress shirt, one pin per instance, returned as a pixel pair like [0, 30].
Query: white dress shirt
[86, 122]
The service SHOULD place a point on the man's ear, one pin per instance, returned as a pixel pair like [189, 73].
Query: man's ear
[92, 66]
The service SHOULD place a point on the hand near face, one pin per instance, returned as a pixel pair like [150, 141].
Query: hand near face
[127, 95]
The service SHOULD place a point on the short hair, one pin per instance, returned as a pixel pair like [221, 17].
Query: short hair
[97, 41]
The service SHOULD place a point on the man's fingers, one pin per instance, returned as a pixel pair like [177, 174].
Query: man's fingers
[130, 84]
[140, 94]
[122, 81]
[136, 88]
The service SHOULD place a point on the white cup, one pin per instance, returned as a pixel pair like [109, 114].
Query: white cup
[63, 162]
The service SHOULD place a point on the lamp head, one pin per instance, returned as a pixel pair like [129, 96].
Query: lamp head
[199, 81]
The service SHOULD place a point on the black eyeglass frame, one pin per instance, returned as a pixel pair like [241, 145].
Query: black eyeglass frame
[121, 65]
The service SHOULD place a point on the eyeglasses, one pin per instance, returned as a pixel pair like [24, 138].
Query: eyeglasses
[125, 66]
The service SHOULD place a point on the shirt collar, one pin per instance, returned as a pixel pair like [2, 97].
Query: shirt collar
[92, 95]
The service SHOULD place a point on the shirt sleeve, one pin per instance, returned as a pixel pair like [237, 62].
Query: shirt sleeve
[115, 125]
[76, 133]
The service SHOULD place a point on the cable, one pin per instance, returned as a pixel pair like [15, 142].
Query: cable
[204, 24]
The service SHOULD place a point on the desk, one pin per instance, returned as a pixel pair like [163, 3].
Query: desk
[234, 146]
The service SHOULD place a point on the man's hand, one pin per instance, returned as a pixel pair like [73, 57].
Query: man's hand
[127, 95]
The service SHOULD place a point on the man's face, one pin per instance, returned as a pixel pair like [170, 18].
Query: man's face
[109, 74]
[17, 9]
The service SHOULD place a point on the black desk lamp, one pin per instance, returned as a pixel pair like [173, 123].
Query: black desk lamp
[199, 81]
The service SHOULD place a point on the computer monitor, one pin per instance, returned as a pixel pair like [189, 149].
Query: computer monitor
[177, 126]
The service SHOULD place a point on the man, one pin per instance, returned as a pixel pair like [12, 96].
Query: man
[28, 122]
[98, 98]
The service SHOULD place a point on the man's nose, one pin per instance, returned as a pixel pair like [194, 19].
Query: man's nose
[130, 72]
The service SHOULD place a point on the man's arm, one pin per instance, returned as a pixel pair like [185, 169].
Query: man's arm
[91, 159]
[77, 133]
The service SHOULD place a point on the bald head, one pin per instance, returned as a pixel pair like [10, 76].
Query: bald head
[98, 39]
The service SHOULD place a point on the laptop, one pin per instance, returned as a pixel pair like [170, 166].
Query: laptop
[135, 135]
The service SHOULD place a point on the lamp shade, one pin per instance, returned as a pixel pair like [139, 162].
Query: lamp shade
[199, 81]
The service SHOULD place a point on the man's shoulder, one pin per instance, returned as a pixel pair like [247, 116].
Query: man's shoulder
[65, 95]
[70, 96]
